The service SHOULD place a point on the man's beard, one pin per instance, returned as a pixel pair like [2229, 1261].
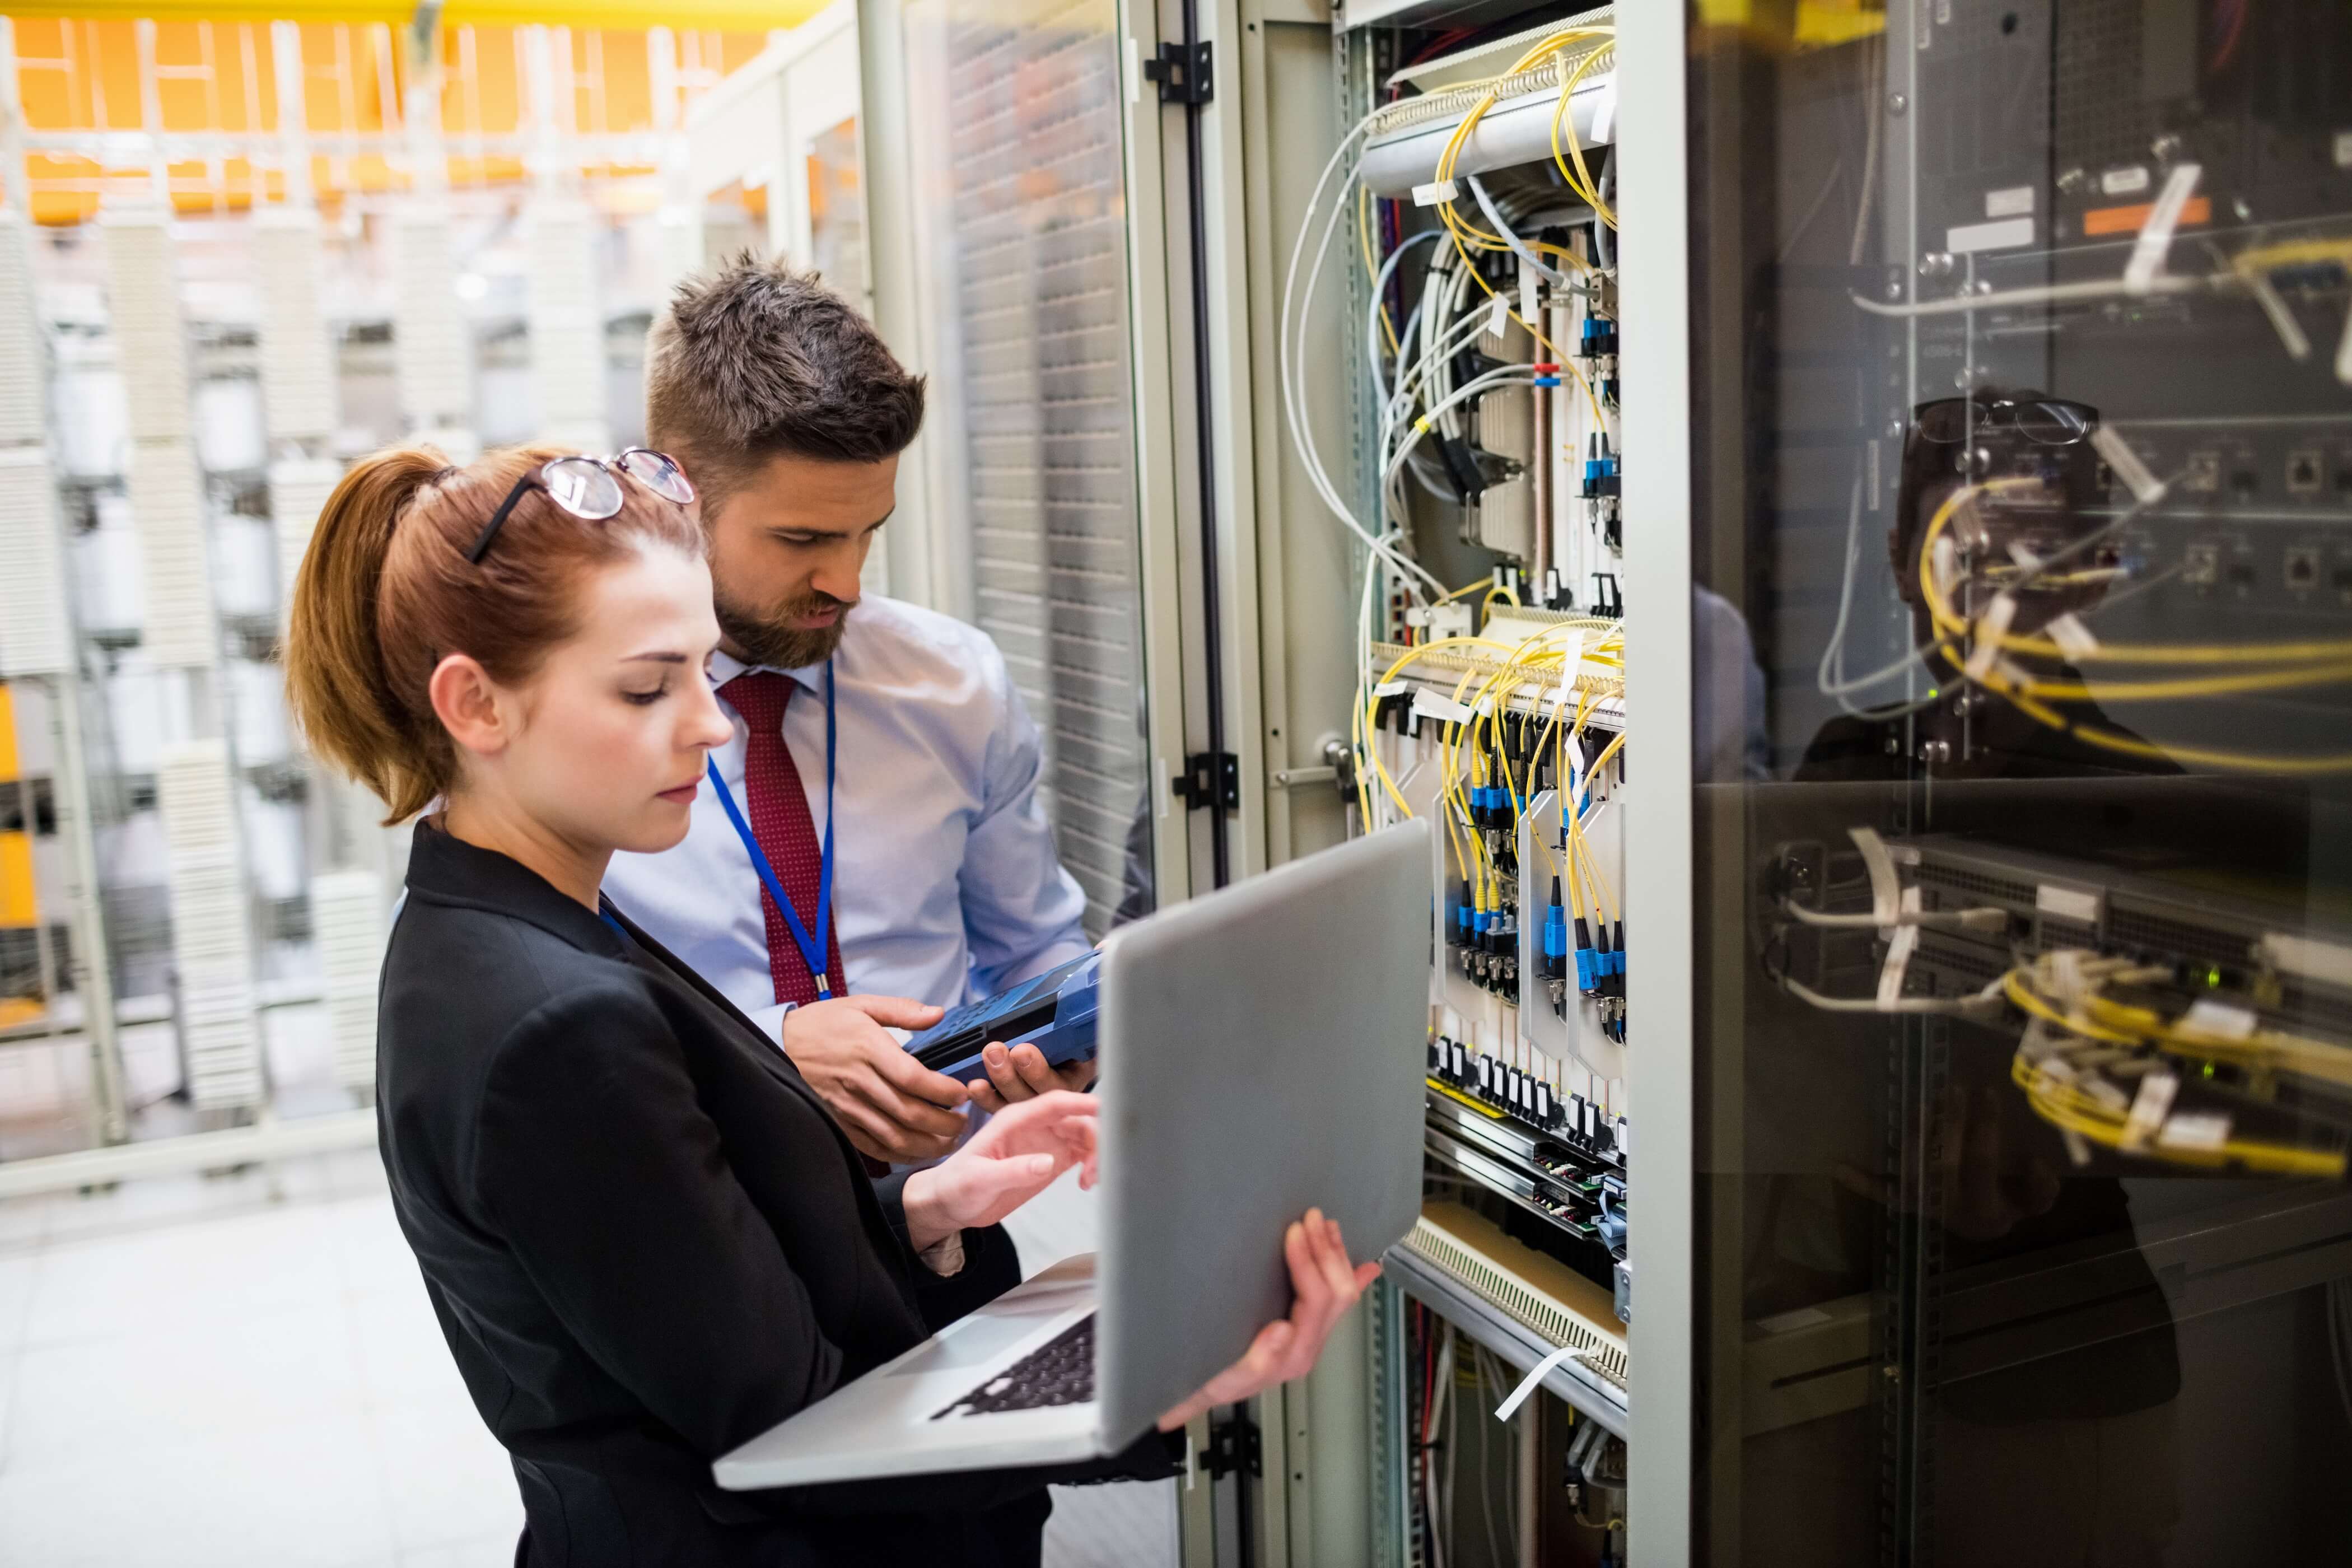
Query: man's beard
[771, 640]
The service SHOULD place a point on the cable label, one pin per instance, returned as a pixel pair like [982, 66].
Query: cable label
[1991, 627]
[2149, 1109]
[2155, 242]
[1434, 194]
[2144, 486]
[1444, 710]
[2073, 639]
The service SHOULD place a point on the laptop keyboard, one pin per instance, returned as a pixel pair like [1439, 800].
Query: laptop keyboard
[1059, 1371]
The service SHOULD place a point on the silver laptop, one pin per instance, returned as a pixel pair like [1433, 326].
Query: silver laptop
[1262, 1052]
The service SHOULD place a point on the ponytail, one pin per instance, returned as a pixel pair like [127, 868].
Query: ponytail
[386, 592]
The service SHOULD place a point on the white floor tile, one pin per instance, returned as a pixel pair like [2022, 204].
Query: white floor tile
[24, 1222]
[370, 1253]
[402, 1359]
[288, 1371]
[291, 1499]
[223, 1270]
[17, 1272]
[490, 1551]
[446, 1478]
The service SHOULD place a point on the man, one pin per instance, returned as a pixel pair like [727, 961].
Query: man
[790, 415]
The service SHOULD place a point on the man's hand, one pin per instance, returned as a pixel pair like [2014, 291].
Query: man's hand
[892, 1107]
[1022, 1074]
[1013, 1159]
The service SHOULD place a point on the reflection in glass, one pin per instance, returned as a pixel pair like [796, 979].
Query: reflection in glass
[1022, 222]
[2024, 1032]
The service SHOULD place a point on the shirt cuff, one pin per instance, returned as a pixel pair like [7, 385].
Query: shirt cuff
[944, 1257]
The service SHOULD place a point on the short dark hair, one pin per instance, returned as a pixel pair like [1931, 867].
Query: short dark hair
[757, 361]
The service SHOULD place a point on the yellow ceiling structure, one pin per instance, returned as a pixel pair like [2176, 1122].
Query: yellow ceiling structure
[206, 82]
[721, 16]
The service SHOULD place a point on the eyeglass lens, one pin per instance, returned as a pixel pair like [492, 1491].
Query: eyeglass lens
[582, 487]
[658, 473]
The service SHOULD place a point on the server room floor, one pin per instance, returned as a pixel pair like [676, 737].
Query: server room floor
[243, 1371]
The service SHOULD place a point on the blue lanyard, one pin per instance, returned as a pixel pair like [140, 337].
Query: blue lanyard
[813, 948]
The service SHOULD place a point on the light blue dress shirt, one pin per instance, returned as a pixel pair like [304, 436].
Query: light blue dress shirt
[945, 885]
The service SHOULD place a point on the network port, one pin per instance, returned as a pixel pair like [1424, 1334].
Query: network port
[2203, 474]
[2200, 566]
[2305, 472]
[2303, 567]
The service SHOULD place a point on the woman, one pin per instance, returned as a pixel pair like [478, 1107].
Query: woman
[645, 1237]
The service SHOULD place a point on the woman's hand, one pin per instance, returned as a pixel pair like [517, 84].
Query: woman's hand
[1006, 1163]
[1326, 1287]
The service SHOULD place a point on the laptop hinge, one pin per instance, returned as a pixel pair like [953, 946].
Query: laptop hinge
[1210, 777]
[1234, 1445]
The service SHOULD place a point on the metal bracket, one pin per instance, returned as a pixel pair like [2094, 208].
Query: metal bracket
[1210, 779]
[1185, 73]
[1234, 1443]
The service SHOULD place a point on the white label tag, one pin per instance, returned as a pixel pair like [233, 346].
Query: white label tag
[2208, 1129]
[2024, 559]
[2221, 1020]
[2128, 181]
[2144, 486]
[1991, 627]
[2344, 149]
[2014, 202]
[1387, 688]
[2067, 903]
[1945, 560]
[1899, 959]
[1436, 192]
[2073, 639]
[2155, 242]
[1444, 710]
[1530, 284]
[1604, 114]
[1499, 318]
[2149, 1107]
[2005, 234]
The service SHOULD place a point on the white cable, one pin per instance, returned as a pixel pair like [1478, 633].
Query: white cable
[1534, 1380]
[2050, 294]
[1507, 375]
[1981, 919]
[1510, 237]
[1292, 371]
[1988, 1000]
[1372, 316]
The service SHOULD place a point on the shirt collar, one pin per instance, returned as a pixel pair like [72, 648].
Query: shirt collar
[724, 667]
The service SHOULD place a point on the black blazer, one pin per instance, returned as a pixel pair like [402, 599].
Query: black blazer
[648, 1241]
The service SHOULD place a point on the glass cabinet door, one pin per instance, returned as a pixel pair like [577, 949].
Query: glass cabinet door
[2022, 528]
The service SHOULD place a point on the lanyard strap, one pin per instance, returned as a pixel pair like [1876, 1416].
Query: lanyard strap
[813, 948]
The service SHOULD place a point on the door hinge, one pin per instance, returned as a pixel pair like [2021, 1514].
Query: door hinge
[1234, 1445]
[1185, 73]
[1208, 779]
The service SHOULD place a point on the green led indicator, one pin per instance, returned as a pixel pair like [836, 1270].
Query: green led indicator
[2213, 977]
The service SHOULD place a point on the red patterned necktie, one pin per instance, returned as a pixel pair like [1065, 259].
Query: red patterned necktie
[778, 813]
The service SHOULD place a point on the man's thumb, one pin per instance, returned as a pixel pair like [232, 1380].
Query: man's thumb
[898, 1011]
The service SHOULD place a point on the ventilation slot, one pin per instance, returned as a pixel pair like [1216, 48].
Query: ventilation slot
[299, 488]
[433, 350]
[347, 912]
[567, 328]
[211, 945]
[23, 364]
[167, 507]
[298, 370]
[150, 344]
[33, 636]
[1551, 1320]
